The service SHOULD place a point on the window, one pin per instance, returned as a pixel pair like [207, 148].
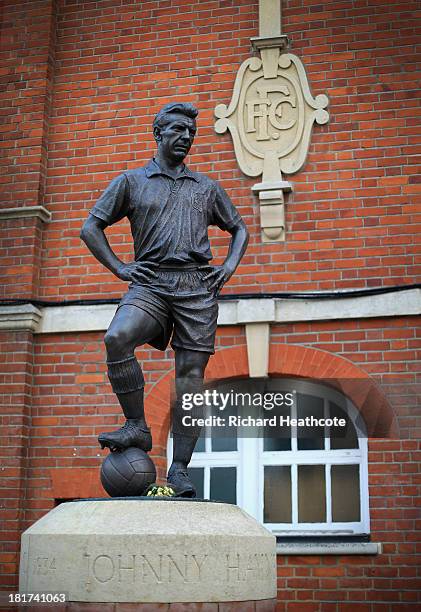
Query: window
[308, 481]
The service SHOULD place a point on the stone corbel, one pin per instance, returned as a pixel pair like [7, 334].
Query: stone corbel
[272, 211]
[25, 317]
[23, 212]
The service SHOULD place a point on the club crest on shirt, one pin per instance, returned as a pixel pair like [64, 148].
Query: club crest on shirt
[198, 200]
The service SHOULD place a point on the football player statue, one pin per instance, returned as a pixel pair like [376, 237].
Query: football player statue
[173, 289]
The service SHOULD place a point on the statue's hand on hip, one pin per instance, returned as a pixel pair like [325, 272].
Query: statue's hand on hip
[217, 278]
[137, 271]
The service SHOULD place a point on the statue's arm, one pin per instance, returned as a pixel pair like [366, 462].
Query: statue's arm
[238, 244]
[94, 237]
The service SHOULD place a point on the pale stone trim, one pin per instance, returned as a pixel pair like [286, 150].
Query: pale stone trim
[26, 211]
[254, 311]
[329, 548]
[236, 312]
[257, 336]
[269, 17]
[269, 42]
[406, 302]
[77, 318]
[20, 318]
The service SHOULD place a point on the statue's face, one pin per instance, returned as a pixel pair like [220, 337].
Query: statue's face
[176, 137]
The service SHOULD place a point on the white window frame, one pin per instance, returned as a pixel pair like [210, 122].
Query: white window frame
[250, 460]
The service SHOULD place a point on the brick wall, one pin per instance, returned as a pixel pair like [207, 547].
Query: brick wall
[27, 54]
[83, 82]
[16, 352]
[102, 73]
[20, 248]
[27, 69]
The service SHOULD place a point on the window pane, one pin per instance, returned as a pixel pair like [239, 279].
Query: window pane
[277, 494]
[345, 493]
[200, 444]
[342, 437]
[224, 438]
[277, 438]
[311, 494]
[223, 484]
[197, 477]
[310, 438]
[277, 444]
[223, 443]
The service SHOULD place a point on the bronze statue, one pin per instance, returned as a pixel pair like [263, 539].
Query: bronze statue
[173, 289]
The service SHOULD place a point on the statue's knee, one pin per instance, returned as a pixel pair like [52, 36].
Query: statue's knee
[116, 343]
[191, 364]
[196, 373]
[190, 369]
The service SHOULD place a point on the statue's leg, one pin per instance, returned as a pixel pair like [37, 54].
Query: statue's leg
[190, 368]
[130, 327]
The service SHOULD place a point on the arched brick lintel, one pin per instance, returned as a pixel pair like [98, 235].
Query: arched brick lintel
[287, 360]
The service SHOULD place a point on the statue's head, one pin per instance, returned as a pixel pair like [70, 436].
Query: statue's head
[174, 128]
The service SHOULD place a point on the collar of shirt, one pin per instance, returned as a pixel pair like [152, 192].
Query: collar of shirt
[153, 169]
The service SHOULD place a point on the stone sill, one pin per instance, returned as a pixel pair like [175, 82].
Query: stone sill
[328, 548]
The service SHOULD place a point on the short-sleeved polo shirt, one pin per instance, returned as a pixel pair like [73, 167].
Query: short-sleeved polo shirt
[169, 217]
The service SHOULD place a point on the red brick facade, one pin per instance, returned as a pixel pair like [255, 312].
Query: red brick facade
[83, 81]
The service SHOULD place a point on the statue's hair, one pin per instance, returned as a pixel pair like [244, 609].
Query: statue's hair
[181, 108]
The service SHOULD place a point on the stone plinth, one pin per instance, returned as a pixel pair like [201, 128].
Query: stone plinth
[137, 550]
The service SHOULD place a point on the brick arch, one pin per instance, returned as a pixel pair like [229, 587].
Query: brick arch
[342, 374]
[286, 360]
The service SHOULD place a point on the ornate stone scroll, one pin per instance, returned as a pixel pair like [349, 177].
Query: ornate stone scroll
[270, 117]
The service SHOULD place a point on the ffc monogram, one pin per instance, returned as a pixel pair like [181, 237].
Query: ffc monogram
[263, 112]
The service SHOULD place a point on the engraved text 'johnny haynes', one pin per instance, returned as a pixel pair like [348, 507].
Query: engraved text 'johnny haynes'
[175, 568]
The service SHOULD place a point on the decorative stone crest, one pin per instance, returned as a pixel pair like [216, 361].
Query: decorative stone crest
[270, 117]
